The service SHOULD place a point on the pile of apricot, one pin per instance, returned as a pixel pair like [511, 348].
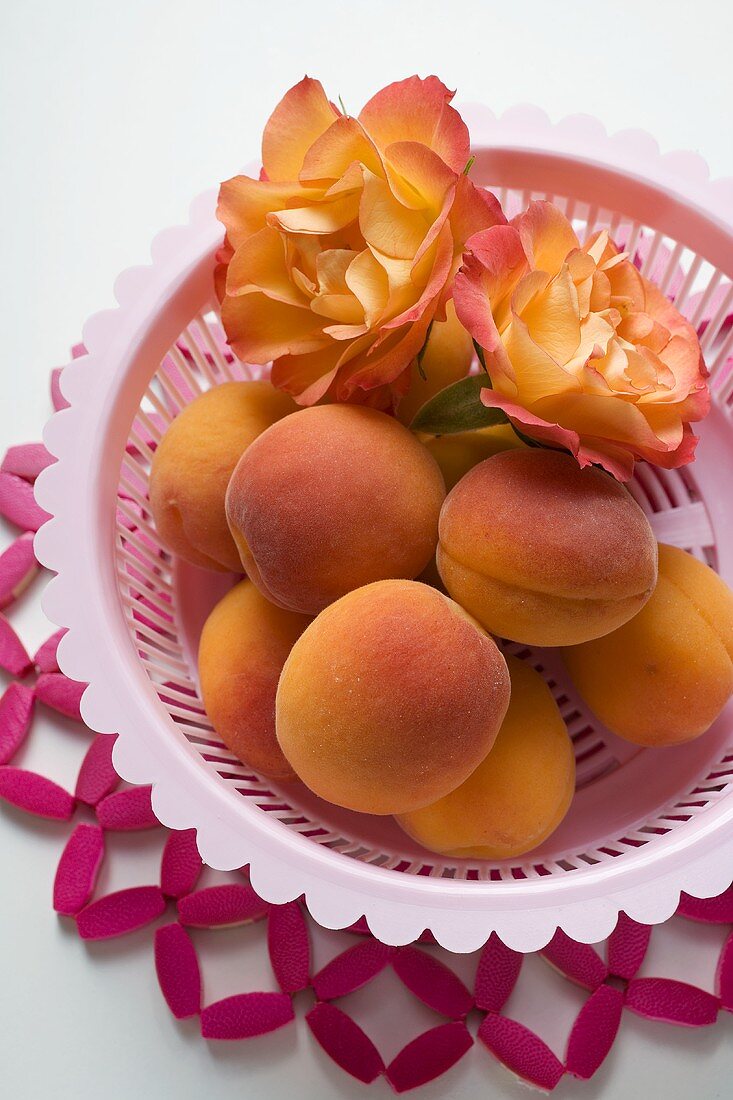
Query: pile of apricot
[359, 655]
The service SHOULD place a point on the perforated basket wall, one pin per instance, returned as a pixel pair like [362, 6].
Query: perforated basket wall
[644, 824]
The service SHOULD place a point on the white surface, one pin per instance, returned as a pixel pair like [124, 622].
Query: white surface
[111, 117]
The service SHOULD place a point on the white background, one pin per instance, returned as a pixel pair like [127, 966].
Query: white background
[112, 116]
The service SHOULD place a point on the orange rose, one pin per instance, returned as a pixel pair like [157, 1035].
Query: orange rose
[583, 352]
[340, 256]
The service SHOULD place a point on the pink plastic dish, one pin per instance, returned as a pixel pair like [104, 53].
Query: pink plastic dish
[644, 824]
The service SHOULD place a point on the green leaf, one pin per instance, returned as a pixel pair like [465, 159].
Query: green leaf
[457, 408]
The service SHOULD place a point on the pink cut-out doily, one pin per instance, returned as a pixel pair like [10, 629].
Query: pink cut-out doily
[171, 906]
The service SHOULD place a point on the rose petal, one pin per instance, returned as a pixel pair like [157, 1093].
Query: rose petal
[246, 1015]
[627, 946]
[672, 1002]
[76, 873]
[16, 711]
[417, 109]
[127, 810]
[13, 657]
[299, 118]
[708, 910]
[521, 1051]
[18, 504]
[78, 351]
[177, 967]
[181, 866]
[345, 1042]
[496, 974]
[428, 1056]
[61, 693]
[35, 794]
[97, 777]
[221, 907]
[57, 398]
[26, 460]
[18, 567]
[45, 657]
[351, 969]
[432, 982]
[121, 912]
[724, 975]
[594, 1031]
[577, 961]
[289, 946]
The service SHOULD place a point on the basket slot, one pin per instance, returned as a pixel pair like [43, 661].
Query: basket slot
[132, 604]
[707, 294]
[191, 702]
[688, 282]
[591, 222]
[137, 441]
[139, 568]
[133, 493]
[614, 225]
[723, 354]
[176, 399]
[203, 361]
[651, 256]
[150, 426]
[673, 263]
[160, 663]
[716, 322]
[158, 405]
[165, 629]
[138, 470]
[181, 712]
[152, 554]
[632, 240]
[140, 627]
[224, 364]
[136, 519]
[180, 361]
[195, 736]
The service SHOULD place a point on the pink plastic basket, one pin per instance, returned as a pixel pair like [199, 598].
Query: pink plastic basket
[644, 825]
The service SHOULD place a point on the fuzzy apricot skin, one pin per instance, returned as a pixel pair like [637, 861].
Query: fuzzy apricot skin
[330, 499]
[458, 453]
[194, 461]
[521, 791]
[390, 698]
[664, 677]
[544, 553]
[244, 645]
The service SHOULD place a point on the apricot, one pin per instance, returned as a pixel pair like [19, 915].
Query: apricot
[543, 552]
[664, 677]
[242, 650]
[390, 698]
[193, 464]
[520, 792]
[458, 453]
[331, 499]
